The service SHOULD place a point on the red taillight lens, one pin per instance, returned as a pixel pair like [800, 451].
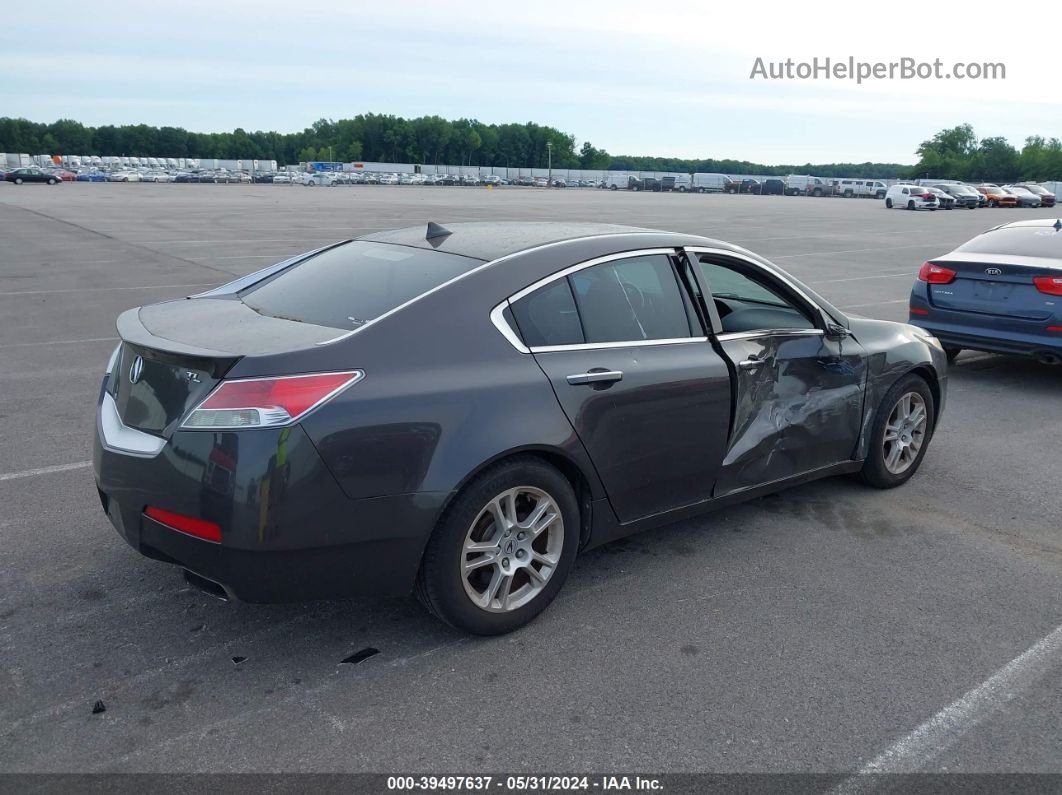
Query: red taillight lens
[200, 528]
[917, 310]
[267, 402]
[936, 274]
[1051, 285]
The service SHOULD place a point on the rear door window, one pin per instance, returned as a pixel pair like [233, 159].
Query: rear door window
[627, 300]
[347, 286]
[632, 299]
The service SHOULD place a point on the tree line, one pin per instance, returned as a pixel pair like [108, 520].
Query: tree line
[954, 153]
[369, 136]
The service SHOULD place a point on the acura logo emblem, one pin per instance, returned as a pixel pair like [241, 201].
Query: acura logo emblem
[136, 369]
[993, 271]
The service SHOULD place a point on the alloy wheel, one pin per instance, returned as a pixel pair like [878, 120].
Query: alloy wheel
[905, 433]
[512, 549]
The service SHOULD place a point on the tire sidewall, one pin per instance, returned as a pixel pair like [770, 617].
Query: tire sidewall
[440, 583]
[874, 471]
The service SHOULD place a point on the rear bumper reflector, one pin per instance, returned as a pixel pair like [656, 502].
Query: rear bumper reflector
[200, 528]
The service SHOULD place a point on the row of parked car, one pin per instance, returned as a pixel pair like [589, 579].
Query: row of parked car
[947, 195]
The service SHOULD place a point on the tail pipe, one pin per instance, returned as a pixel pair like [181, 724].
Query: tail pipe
[1048, 357]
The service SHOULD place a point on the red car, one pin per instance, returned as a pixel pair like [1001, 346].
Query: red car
[997, 197]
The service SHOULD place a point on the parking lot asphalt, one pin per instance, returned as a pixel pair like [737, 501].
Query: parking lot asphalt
[815, 630]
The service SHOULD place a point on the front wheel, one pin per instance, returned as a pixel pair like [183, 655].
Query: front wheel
[888, 204]
[900, 435]
[503, 548]
[911, 205]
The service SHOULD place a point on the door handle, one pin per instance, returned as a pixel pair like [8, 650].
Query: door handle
[595, 377]
[750, 363]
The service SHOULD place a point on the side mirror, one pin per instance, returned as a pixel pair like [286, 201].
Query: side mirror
[836, 331]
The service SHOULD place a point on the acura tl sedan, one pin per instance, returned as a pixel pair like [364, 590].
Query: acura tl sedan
[1000, 292]
[461, 412]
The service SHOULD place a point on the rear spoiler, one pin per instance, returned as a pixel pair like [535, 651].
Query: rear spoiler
[131, 330]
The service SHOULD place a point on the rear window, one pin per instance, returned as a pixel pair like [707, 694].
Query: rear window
[1021, 241]
[347, 286]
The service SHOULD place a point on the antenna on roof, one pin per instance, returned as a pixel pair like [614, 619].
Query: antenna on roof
[436, 231]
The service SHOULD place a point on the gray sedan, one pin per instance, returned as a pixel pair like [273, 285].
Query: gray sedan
[460, 412]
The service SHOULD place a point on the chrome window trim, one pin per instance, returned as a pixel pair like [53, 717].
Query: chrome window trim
[497, 318]
[119, 437]
[778, 332]
[595, 346]
[771, 271]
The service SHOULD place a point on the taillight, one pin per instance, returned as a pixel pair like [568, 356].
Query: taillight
[267, 402]
[936, 274]
[1051, 285]
[200, 528]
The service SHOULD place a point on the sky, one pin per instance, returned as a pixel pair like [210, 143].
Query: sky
[663, 78]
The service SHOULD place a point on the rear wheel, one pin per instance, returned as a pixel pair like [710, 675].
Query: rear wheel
[51, 180]
[18, 180]
[900, 435]
[503, 548]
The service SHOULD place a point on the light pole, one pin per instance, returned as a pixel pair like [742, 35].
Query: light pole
[549, 155]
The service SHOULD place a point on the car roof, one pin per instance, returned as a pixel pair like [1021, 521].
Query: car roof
[492, 240]
[1031, 222]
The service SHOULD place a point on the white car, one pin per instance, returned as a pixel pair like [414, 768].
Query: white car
[282, 179]
[318, 178]
[157, 176]
[910, 197]
[124, 176]
[388, 179]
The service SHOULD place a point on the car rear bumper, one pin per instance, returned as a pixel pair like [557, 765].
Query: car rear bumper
[959, 335]
[288, 532]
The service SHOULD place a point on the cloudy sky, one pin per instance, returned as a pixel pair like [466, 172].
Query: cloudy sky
[663, 78]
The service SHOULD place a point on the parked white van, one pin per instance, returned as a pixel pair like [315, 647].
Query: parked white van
[616, 181]
[710, 183]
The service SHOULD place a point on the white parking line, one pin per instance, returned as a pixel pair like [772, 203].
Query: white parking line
[57, 342]
[876, 303]
[105, 289]
[908, 274]
[29, 473]
[852, 251]
[914, 752]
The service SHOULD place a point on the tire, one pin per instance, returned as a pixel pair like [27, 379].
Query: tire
[51, 181]
[613, 187]
[952, 353]
[447, 589]
[816, 192]
[18, 180]
[848, 194]
[888, 204]
[877, 470]
[910, 204]
[682, 189]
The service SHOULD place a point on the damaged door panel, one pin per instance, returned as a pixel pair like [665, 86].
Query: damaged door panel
[798, 405]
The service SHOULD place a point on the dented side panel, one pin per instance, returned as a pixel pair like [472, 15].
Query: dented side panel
[799, 409]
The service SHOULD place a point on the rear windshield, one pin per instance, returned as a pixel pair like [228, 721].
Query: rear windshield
[350, 285]
[1019, 241]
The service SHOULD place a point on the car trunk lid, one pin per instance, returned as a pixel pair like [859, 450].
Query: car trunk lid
[173, 354]
[991, 284]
